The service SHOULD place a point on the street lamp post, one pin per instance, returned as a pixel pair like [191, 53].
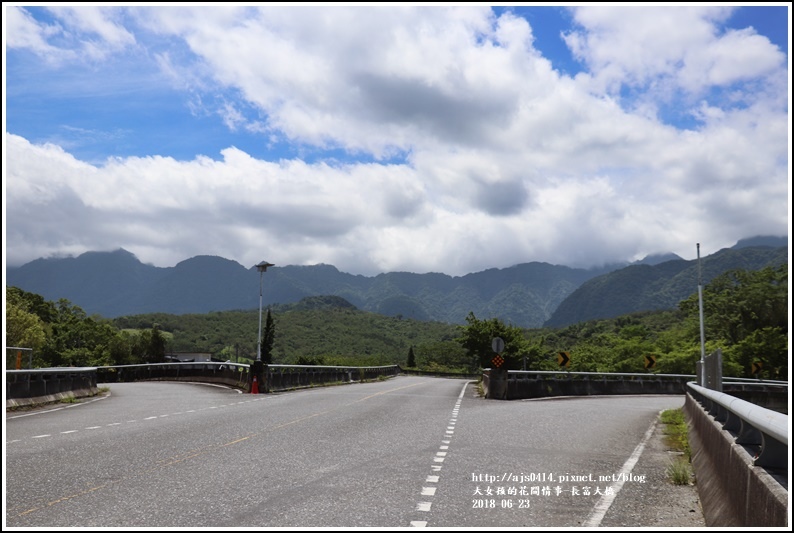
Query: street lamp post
[258, 368]
[262, 268]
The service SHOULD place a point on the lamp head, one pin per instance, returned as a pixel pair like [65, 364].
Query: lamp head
[262, 267]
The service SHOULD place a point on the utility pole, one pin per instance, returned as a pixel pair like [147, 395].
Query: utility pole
[703, 379]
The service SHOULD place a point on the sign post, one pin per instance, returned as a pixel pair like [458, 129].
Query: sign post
[497, 386]
[498, 345]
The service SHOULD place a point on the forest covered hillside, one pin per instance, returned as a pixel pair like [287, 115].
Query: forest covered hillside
[530, 295]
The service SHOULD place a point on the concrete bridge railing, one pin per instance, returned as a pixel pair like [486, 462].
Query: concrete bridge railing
[42, 385]
[739, 449]
[45, 385]
[273, 378]
[286, 377]
[518, 384]
[231, 374]
[740, 456]
[522, 384]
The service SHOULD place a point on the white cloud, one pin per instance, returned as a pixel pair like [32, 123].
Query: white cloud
[652, 46]
[635, 45]
[736, 56]
[506, 160]
[374, 79]
[80, 33]
[96, 20]
[231, 116]
[23, 31]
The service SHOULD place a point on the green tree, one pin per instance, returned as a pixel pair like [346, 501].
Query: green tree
[268, 339]
[313, 361]
[75, 339]
[739, 302]
[768, 346]
[477, 338]
[746, 315]
[32, 303]
[23, 329]
[446, 355]
[121, 349]
[140, 342]
[533, 354]
[157, 342]
[69, 339]
[411, 363]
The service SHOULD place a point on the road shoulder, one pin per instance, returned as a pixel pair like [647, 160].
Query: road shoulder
[657, 502]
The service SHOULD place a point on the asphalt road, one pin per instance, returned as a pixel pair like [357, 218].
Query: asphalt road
[406, 452]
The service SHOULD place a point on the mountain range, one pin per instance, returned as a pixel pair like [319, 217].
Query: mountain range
[530, 295]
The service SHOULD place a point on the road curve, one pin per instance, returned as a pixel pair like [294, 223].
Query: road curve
[405, 452]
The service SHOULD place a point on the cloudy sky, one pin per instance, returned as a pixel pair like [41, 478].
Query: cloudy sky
[394, 138]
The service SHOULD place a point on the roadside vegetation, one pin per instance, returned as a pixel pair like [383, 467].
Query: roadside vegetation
[675, 430]
[746, 316]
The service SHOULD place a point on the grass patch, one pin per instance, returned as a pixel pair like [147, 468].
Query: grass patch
[675, 431]
[675, 436]
[680, 472]
[69, 399]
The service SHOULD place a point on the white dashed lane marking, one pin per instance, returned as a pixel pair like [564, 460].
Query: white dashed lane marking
[68, 432]
[425, 506]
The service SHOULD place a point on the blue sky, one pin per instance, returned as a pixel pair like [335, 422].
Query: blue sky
[417, 138]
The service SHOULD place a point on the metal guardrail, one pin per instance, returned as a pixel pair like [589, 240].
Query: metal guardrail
[18, 363]
[754, 383]
[756, 380]
[753, 425]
